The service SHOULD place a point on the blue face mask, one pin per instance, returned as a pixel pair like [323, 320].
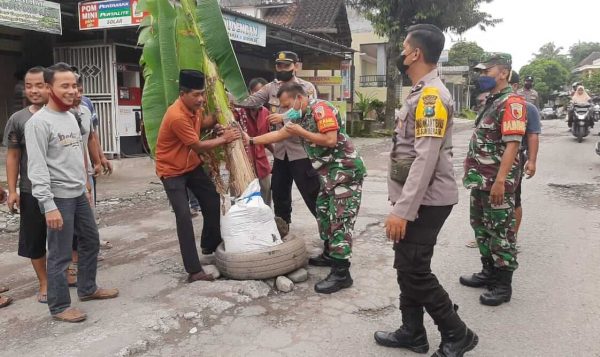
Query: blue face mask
[292, 115]
[486, 83]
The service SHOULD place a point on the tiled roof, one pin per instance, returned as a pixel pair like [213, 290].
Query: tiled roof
[589, 60]
[307, 14]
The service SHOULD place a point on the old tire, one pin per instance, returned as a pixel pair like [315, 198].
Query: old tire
[263, 264]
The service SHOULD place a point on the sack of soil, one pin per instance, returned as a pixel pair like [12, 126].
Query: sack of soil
[249, 224]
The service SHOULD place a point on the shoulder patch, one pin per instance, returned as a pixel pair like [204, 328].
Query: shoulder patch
[514, 120]
[431, 118]
[325, 117]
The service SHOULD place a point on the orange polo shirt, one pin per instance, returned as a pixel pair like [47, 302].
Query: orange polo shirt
[179, 129]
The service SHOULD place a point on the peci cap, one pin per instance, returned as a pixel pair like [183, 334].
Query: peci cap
[286, 57]
[493, 59]
[192, 79]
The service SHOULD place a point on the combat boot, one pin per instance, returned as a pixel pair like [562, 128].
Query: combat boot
[457, 342]
[339, 278]
[411, 335]
[484, 278]
[501, 291]
[323, 259]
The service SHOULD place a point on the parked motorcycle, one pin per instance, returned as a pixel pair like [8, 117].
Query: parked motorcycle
[596, 112]
[582, 121]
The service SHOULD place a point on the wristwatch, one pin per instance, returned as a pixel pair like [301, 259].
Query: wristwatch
[251, 141]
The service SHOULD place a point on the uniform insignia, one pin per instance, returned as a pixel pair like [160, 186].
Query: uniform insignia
[418, 87]
[319, 112]
[514, 120]
[517, 110]
[281, 56]
[431, 117]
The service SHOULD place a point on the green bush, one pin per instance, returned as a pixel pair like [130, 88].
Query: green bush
[468, 114]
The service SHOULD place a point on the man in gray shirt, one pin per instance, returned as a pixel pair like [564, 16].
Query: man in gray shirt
[57, 171]
[32, 232]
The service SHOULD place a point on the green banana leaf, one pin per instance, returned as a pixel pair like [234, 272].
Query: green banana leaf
[218, 46]
[159, 60]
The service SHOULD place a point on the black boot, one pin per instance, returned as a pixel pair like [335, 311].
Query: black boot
[501, 291]
[482, 279]
[323, 259]
[339, 278]
[455, 343]
[411, 335]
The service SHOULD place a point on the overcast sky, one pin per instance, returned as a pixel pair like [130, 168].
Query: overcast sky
[528, 24]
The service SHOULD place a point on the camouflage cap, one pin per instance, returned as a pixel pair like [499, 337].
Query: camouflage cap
[493, 59]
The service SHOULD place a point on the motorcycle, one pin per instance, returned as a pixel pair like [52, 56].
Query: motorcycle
[582, 119]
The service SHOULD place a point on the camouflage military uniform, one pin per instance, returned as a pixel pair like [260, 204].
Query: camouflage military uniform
[341, 173]
[502, 120]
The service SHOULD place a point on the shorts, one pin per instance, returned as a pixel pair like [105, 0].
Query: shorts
[32, 234]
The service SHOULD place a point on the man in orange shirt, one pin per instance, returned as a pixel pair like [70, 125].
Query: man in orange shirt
[179, 167]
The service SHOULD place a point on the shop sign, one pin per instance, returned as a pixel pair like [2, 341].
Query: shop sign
[34, 15]
[325, 81]
[246, 31]
[106, 14]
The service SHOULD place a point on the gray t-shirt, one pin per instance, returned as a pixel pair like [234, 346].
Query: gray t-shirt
[56, 161]
[14, 138]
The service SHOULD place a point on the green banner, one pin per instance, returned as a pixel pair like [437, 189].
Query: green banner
[34, 15]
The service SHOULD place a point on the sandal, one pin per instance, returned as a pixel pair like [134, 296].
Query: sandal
[42, 298]
[471, 244]
[70, 315]
[3, 289]
[5, 301]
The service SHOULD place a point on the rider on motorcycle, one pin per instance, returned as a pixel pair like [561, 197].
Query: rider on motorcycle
[580, 97]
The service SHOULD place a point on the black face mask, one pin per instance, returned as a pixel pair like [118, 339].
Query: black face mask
[403, 68]
[528, 85]
[284, 76]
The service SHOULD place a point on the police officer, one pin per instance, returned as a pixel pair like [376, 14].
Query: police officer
[530, 94]
[423, 191]
[492, 172]
[291, 163]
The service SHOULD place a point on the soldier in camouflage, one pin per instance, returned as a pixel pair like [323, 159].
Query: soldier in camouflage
[341, 173]
[492, 172]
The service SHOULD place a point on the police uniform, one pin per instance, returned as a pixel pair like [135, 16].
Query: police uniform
[530, 95]
[291, 162]
[502, 120]
[423, 191]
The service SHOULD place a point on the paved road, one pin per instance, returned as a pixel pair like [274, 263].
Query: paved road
[555, 309]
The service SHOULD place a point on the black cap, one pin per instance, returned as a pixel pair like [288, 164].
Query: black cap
[191, 79]
[286, 57]
[514, 78]
[529, 79]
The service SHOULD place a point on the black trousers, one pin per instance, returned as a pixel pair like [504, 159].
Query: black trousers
[419, 287]
[204, 189]
[307, 180]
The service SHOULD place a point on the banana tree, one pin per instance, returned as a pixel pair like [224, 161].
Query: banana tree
[187, 34]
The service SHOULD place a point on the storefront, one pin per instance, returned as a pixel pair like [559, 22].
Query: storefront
[100, 38]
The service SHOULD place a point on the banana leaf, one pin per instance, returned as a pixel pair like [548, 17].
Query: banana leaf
[159, 60]
[219, 48]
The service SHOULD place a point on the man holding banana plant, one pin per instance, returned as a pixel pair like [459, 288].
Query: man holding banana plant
[179, 166]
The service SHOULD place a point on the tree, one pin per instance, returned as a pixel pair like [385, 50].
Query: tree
[463, 52]
[549, 75]
[551, 51]
[581, 50]
[592, 83]
[392, 18]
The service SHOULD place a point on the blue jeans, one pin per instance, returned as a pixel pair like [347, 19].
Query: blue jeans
[78, 219]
